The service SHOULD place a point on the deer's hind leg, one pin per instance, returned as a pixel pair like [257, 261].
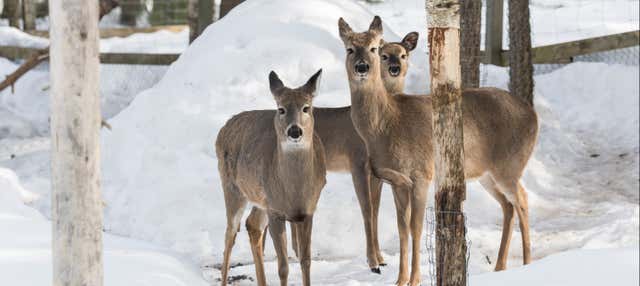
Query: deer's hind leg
[234, 203]
[507, 220]
[256, 223]
[517, 196]
[361, 175]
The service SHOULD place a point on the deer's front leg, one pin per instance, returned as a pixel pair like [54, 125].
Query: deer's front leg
[304, 244]
[278, 234]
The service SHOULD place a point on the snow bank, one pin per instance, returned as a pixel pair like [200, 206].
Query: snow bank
[160, 175]
[25, 249]
[579, 268]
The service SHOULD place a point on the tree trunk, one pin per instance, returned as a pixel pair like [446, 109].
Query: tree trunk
[227, 5]
[12, 10]
[192, 19]
[75, 154]
[29, 14]
[520, 65]
[470, 18]
[444, 48]
[130, 10]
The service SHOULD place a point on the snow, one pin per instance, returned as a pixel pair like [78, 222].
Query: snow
[160, 180]
[25, 253]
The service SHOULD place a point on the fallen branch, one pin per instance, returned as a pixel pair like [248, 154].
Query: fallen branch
[105, 6]
[30, 63]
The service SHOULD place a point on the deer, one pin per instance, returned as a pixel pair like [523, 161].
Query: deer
[276, 162]
[394, 62]
[500, 132]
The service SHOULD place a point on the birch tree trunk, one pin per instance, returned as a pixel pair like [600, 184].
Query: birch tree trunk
[470, 19]
[520, 65]
[29, 14]
[444, 47]
[75, 154]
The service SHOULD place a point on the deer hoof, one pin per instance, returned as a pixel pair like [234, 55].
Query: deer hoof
[376, 270]
[382, 264]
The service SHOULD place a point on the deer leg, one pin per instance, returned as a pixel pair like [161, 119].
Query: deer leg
[304, 235]
[360, 178]
[256, 223]
[507, 220]
[234, 204]
[522, 208]
[294, 240]
[278, 234]
[418, 209]
[376, 192]
[403, 211]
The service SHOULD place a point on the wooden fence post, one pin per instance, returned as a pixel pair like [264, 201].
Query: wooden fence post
[75, 146]
[444, 59]
[493, 32]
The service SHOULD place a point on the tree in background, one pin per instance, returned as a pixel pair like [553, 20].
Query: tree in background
[444, 61]
[470, 22]
[76, 208]
[29, 14]
[12, 12]
[520, 64]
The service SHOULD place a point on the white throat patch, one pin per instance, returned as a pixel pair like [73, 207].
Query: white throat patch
[292, 146]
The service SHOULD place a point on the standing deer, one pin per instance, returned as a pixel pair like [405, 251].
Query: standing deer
[276, 162]
[500, 133]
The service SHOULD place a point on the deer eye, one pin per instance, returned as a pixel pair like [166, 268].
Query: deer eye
[373, 50]
[305, 109]
[385, 57]
[349, 51]
[281, 111]
[403, 57]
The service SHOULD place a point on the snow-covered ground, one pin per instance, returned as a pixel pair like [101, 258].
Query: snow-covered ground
[160, 179]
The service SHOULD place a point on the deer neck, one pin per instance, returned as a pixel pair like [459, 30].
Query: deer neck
[295, 163]
[394, 87]
[371, 106]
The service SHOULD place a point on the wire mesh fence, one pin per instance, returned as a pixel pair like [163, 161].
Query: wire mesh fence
[431, 224]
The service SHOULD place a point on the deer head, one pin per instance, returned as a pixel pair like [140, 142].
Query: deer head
[294, 120]
[363, 60]
[394, 61]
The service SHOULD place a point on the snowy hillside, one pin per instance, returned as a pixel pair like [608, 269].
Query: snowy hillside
[160, 180]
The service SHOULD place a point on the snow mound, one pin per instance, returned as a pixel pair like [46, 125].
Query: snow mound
[160, 172]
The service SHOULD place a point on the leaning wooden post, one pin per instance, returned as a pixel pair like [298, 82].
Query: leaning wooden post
[444, 60]
[75, 146]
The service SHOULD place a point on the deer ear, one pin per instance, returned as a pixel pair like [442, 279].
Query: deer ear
[376, 25]
[275, 84]
[344, 29]
[313, 83]
[410, 41]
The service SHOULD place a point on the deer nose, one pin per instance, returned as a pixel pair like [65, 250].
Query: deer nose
[294, 132]
[394, 70]
[361, 67]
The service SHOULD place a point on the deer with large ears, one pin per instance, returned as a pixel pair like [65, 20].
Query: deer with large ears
[394, 62]
[275, 161]
[500, 132]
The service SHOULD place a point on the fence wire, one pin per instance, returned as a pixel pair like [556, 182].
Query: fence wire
[431, 223]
